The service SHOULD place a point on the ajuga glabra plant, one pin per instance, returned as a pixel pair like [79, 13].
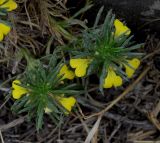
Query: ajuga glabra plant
[43, 89]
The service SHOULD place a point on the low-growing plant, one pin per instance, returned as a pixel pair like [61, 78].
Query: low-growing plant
[106, 50]
[43, 88]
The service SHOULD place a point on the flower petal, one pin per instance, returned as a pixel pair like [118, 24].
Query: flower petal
[134, 63]
[120, 28]
[18, 91]
[67, 103]
[117, 81]
[108, 82]
[76, 62]
[5, 29]
[67, 74]
[81, 70]
[10, 5]
[2, 1]
[1, 36]
[112, 79]
[81, 66]
[70, 75]
[17, 94]
[47, 110]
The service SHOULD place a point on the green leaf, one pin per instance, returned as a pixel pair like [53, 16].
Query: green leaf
[98, 16]
[39, 117]
[103, 75]
[134, 47]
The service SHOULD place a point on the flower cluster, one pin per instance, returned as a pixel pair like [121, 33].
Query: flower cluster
[107, 52]
[6, 6]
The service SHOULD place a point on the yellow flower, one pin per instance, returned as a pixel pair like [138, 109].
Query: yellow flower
[67, 103]
[66, 73]
[18, 91]
[134, 64]
[112, 79]
[4, 30]
[121, 28]
[8, 4]
[80, 66]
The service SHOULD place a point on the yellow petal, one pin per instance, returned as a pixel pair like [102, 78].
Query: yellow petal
[108, 82]
[17, 94]
[70, 75]
[2, 1]
[10, 5]
[134, 63]
[112, 79]
[47, 110]
[5, 29]
[78, 62]
[117, 81]
[120, 28]
[18, 91]
[67, 103]
[1, 36]
[81, 66]
[81, 70]
[66, 73]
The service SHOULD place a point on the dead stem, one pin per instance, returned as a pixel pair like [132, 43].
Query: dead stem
[153, 116]
[2, 140]
[12, 124]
